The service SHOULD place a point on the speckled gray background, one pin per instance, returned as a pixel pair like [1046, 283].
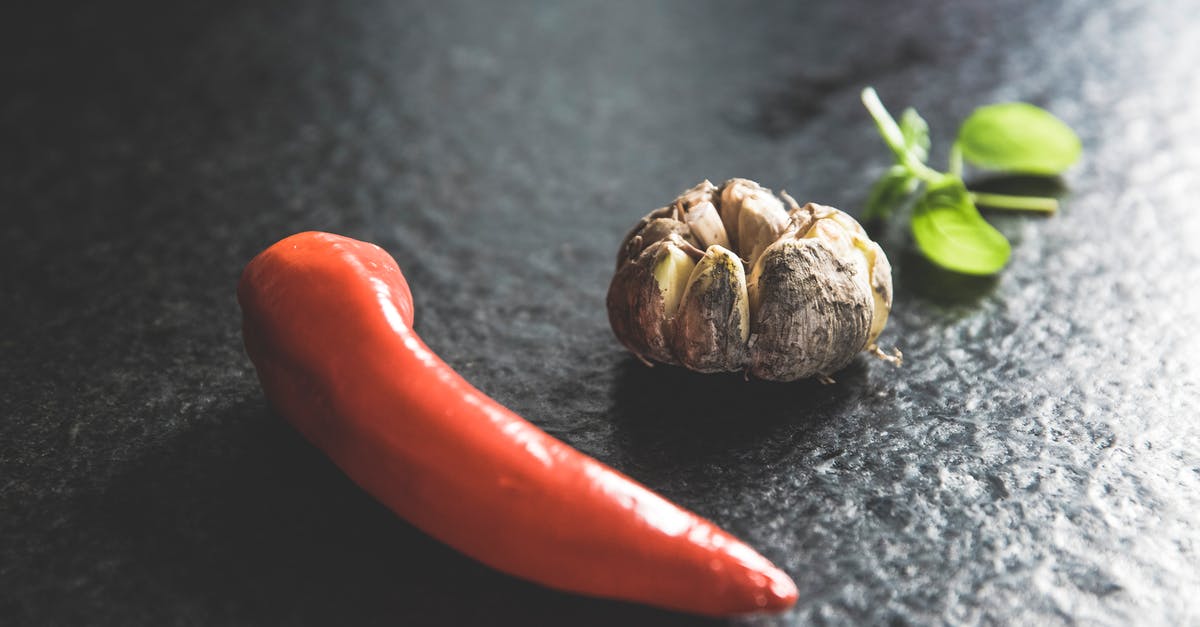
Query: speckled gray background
[1036, 460]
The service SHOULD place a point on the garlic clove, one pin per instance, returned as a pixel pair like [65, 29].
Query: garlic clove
[800, 219]
[879, 271]
[639, 296]
[703, 192]
[847, 222]
[657, 230]
[663, 228]
[705, 225]
[810, 315]
[845, 247]
[713, 321]
[672, 269]
[881, 291]
[732, 194]
[761, 219]
[632, 242]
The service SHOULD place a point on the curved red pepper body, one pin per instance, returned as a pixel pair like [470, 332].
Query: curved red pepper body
[327, 322]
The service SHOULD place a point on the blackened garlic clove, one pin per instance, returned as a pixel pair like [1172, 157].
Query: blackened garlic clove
[810, 314]
[879, 271]
[713, 320]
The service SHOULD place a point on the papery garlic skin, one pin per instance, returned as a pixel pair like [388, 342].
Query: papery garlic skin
[713, 320]
[806, 291]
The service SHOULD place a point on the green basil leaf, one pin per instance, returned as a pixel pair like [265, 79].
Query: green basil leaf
[950, 232]
[890, 192]
[1018, 137]
[916, 134]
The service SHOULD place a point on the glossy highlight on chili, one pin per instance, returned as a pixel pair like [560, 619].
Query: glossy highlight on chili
[327, 322]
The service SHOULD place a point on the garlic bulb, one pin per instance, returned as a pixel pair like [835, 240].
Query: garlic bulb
[805, 291]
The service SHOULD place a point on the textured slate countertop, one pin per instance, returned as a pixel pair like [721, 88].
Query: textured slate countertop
[1036, 460]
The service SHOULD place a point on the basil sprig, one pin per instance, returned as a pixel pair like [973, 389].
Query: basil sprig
[1016, 138]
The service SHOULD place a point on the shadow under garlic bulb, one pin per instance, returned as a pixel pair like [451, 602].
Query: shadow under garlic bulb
[731, 278]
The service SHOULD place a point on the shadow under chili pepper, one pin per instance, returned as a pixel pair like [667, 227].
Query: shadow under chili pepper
[669, 418]
[241, 518]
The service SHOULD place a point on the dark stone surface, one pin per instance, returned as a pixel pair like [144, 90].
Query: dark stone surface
[1034, 461]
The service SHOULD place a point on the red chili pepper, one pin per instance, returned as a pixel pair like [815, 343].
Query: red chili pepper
[328, 324]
